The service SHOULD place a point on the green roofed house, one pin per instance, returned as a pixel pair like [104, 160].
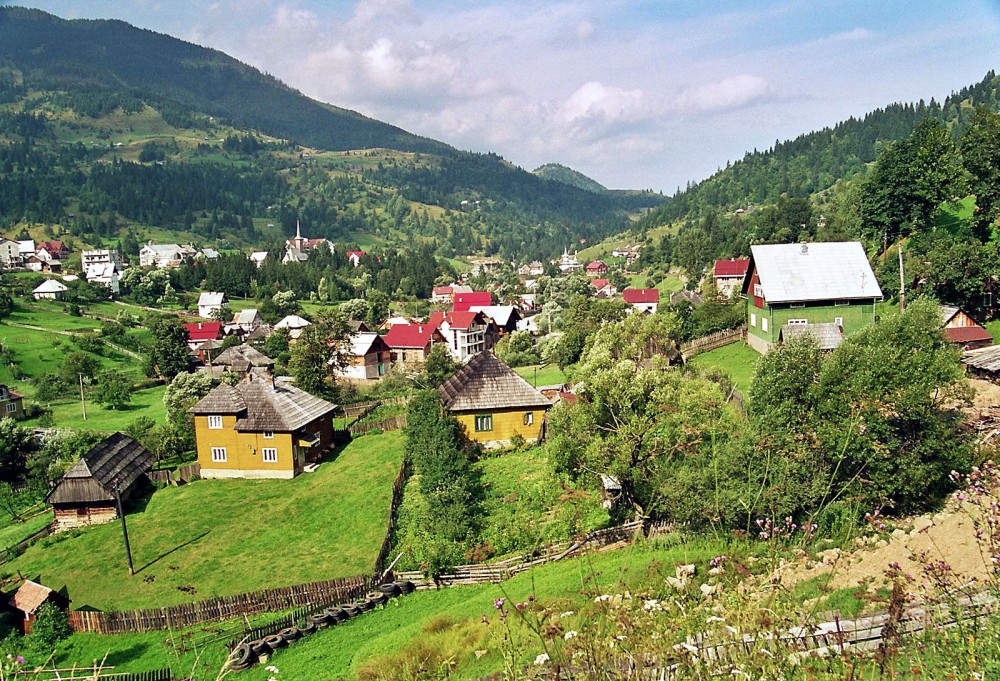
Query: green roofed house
[825, 289]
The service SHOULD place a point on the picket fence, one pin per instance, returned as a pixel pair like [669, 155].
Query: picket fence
[486, 573]
[711, 342]
[85, 674]
[224, 607]
[397, 499]
[359, 409]
[181, 476]
[382, 425]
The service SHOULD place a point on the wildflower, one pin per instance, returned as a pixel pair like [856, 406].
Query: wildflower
[20, 660]
[568, 613]
[569, 634]
[271, 668]
[602, 598]
[520, 606]
[542, 659]
[713, 618]
[498, 603]
[652, 605]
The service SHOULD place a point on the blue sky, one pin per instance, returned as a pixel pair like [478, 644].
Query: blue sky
[634, 93]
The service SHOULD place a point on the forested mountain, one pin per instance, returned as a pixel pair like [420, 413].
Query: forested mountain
[560, 173]
[105, 126]
[815, 161]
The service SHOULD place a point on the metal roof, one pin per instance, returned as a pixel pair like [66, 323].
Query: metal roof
[794, 273]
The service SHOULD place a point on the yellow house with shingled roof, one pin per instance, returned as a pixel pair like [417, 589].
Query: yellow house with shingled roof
[493, 403]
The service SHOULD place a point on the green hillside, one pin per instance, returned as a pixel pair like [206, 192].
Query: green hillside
[560, 173]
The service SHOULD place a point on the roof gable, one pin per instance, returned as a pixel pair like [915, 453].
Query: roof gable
[410, 335]
[641, 295]
[201, 331]
[115, 458]
[734, 267]
[792, 273]
[487, 383]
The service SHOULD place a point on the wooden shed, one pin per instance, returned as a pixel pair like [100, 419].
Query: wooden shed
[28, 599]
[86, 494]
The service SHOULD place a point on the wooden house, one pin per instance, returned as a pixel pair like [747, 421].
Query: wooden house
[962, 330]
[260, 428]
[200, 333]
[86, 493]
[367, 359]
[410, 344]
[504, 317]
[806, 284]
[643, 300]
[596, 268]
[11, 403]
[493, 403]
[28, 598]
[244, 360]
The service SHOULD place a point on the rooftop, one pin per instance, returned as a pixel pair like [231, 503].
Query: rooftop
[791, 273]
[487, 383]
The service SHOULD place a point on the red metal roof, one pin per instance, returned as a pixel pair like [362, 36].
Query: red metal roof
[597, 265]
[410, 335]
[463, 301]
[360, 254]
[203, 331]
[456, 320]
[599, 283]
[443, 290]
[641, 295]
[967, 334]
[736, 267]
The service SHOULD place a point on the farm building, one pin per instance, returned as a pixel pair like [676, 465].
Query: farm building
[209, 303]
[243, 359]
[86, 493]
[50, 289]
[805, 284]
[367, 359]
[28, 598]
[729, 274]
[493, 403]
[260, 428]
[962, 330]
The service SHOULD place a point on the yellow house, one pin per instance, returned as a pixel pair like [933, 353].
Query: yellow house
[11, 404]
[260, 428]
[493, 403]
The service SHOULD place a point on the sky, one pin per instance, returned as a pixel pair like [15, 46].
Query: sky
[636, 94]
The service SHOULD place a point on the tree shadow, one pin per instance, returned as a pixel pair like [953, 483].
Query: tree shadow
[121, 656]
[173, 550]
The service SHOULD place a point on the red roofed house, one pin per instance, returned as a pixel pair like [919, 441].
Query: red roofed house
[355, 257]
[441, 295]
[962, 330]
[466, 333]
[200, 333]
[642, 299]
[409, 344]
[729, 274]
[597, 267]
[604, 287]
[463, 301]
[54, 249]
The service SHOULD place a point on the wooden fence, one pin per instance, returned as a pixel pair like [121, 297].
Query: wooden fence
[483, 573]
[358, 410]
[382, 425]
[17, 549]
[710, 342]
[397, 498]
[91, 674]
[225, 607]
[181, 476]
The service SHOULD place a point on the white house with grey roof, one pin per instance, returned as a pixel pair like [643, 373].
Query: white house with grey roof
[808, 285]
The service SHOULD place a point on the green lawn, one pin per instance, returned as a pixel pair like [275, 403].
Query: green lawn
[230, 536]
[736, 359]
[543, 374]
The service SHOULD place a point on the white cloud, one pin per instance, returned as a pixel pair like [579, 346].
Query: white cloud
[728, 93]
[856, 35]
[597, 101]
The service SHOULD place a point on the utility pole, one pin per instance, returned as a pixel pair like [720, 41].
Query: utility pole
[902, 292]
[121, 514]
[83, 403]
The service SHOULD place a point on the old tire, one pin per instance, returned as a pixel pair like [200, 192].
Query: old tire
[290, 634]
[260, 648]
[378, 598]
[353, 609]
[320, 620]
[242, 657]
[390, 589]
[407, 587]
[339, 614]
[307, 628]
[274, 642]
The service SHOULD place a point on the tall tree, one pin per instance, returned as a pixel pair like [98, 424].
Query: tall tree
[168, 355]
[981, 156]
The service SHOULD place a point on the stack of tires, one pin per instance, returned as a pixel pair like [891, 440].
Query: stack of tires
[246, 655]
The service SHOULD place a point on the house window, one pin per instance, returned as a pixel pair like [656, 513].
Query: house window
[11, 407]
[758, 291]
[753, 319]
[797, 322]
[215, 422]
[529, 418]
[268, 434]
[269, 455]
[763, 324]
[797, 305]
[218, 454]
[841, 303]
[484, 423]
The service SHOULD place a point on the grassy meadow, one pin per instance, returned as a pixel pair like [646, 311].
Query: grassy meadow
[736, 359]
[220, 537]
[542, 374]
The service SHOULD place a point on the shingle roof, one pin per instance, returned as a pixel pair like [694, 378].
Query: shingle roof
[985, 359]
[487, 383]
[791, 273]
[641, 295]
[117, 457]
[828, 336]
[240, 358]
[261, 406]
[30, 596]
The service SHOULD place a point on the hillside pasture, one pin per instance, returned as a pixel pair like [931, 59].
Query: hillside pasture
[222, 537]
[737, 360]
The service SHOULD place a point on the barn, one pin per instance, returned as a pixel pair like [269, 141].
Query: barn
[86, 493]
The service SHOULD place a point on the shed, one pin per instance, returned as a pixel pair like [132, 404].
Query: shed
[50, 289]
[86, 493]
[28, 598]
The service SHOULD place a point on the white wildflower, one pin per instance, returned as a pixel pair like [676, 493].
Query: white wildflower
[602, 598]
[542, 659]
[652, 605]
[568, 613]
[569, 634]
